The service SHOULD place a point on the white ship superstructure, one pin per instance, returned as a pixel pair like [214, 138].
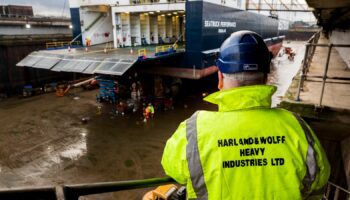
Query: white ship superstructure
[133, 22]
[164, 37]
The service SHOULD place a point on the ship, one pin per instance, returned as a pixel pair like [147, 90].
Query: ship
[178, 38]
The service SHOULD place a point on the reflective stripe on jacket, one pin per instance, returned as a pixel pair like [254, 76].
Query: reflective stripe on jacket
[247, 150]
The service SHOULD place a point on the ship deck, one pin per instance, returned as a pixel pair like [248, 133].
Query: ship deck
[104, 51]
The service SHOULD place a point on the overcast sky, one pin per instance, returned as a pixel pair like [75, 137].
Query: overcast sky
[43, 7]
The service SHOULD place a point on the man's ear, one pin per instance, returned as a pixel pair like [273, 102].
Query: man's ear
[221, 80]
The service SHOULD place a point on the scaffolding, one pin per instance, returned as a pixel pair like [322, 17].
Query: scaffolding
[277, 6]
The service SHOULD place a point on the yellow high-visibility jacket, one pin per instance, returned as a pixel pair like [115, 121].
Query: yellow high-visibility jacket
[246, 150]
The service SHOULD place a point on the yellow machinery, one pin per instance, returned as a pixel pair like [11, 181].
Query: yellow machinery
[61, 44]
[62, 90]
[163, 192]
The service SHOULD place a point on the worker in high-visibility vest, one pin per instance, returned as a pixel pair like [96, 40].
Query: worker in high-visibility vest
[151, 109]
[246, 150]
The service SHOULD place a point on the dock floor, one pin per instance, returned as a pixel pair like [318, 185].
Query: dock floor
[337, 93]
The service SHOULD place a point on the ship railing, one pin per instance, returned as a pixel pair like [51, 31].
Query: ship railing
[142, 52]
[336, 192]
[176, 1]
[311, 45]
[165, 48]
[73, 192]
[137, 2]
[61, 44]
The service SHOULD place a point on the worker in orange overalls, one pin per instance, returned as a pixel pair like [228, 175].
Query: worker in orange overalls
[120, 108]
[87, 42]
[148, 112]
[62, 90]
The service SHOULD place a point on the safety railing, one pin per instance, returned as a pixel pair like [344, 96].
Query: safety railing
[135, 2]
[165, 48]
[61, 44]
[73, 192]
[142, 52]
[311, 45]
[336, 192]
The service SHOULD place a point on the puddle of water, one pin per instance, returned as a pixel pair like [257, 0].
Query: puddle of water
[67, 152]
[284, 71]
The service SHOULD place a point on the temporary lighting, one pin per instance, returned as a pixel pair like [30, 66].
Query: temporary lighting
[146, 13]
[151, 13]
[169, 14]
[70, 26]
[163, 15]
[181, 11]
[126, 12]
[158, 11]
[174, 13]
[28, 26]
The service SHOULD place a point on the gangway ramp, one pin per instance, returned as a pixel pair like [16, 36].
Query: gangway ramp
[108, 62]
[94, 60]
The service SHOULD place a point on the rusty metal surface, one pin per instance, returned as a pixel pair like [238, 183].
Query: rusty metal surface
[331, 14]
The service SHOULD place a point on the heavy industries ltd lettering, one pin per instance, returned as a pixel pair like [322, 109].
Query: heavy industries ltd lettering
[248, 149]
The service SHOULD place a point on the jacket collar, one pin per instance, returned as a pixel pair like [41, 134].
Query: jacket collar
[246, 97]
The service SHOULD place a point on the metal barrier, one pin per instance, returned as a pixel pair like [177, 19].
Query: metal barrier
[309, 52]
[137, 2]
[165, 48]
[142, 52]
[73, 192]
[336, 191]
[61, 44]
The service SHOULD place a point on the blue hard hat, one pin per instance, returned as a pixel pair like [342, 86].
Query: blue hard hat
[244, 51]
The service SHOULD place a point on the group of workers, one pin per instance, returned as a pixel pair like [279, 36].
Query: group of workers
[129, 96]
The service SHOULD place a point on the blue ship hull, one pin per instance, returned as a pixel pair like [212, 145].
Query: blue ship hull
[207, 27]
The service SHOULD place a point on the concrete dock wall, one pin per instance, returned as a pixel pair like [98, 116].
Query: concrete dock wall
[342, 37]
[21, 30]
[13, 78]
[300, 34]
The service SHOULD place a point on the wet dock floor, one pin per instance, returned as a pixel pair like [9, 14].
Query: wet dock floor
[43, 142]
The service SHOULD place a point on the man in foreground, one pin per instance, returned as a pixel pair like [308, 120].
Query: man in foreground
[246, 150]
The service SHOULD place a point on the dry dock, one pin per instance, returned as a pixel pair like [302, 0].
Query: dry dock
[43, 142]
